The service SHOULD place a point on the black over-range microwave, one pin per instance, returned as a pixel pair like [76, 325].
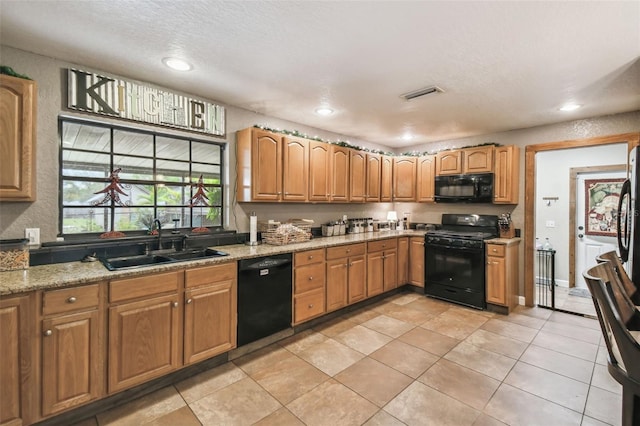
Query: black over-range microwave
[468, 188]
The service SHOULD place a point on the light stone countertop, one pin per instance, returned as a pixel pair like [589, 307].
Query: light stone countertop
[68, 274]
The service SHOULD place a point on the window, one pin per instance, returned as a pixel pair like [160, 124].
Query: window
[121, 179]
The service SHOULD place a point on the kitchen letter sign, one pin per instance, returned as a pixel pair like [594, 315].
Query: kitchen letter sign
[99, 94]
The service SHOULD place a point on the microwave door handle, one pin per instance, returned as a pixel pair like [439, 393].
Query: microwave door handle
[623, 246]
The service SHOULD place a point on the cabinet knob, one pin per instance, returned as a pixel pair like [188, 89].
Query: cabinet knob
[72, 299]
[310, 278]
[310, 305]
[175, 304]
[189, 301]
[348, 250]
[48, 333]
[310, 257]
[494, 250]
[488, 263]
[351, 264]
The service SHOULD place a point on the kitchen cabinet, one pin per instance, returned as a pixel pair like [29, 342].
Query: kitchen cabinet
[374, 169]
[18, 103]
[346, 275]
[502, 273]
[72, 347]
[426, 178]
[386, 178]
[259, 165]
[319, 171]
[478, 159]
[382, 266]
[295, 169]
[506, 175]
[358, 175]
[309, 285]
[340, 157]
[404, 178]
[17, 369]
[416, 261]
[449, 162]
[210, 311]
[144, 328]
[403, 260]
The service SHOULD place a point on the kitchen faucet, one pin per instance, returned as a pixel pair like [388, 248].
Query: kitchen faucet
[158, 225]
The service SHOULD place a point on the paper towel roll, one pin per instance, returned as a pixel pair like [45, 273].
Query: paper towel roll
[253, 228]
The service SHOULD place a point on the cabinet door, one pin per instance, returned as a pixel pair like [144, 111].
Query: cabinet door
[358, 174]
[18, 138]
[375, 273]
[295, 169]
[496, 282]
[449, 163]
[16, 361]
[71, 361]
[373, 177]
[404, 179]
[319, 171]
[478, 160]
[403, 260]
[386, 179]
[426, 178]
[390, 270]
[143, 341]
[507, 172]
[210, 316]
[416, 261]
[266, 166]
[337, 281]
[340, 176]
[357, 278]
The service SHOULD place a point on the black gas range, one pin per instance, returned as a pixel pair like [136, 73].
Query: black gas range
[455, 258]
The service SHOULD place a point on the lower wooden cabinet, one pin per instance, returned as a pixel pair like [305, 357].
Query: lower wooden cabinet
[382, 266]
[309, 285]
[502, 273]
[346, 275]
[416, 261]
[403, 260]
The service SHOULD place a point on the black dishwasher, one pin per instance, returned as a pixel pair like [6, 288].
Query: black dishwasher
[264, 296]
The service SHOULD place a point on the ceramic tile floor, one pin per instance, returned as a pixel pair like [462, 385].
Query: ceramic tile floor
[567, 302]
[404, 360]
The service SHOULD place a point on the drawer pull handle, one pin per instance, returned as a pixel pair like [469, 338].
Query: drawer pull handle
[72, 299]
[494, 250]
[48, 333]
[189, 301]
[175, 304]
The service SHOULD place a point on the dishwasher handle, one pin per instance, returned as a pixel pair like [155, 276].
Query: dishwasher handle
[264, 263]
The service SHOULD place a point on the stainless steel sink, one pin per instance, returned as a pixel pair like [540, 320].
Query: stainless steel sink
[130, 262]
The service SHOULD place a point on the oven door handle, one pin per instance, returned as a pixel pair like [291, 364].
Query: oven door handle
[453, 247]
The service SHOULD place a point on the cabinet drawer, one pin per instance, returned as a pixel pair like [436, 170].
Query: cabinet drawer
[495, 250]
[70, 299]
[134, 288]
[210, 274]
[309, 277]
[308, 305]
[308, 257]
[341, 252]
[382, 244]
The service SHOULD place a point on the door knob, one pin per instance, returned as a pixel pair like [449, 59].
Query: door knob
[580, 235]
[580, 228]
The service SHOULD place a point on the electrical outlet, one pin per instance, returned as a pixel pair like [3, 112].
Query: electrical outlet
[33, 235]
[551, 224]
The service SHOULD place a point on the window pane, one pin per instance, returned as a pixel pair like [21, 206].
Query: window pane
[133, 219]
[132, 143]
[140, 195]
[168, 214]
[205, 169]
[172, 171]
[205, 153]
[83, 136]
[215, 196]
[87, 164]
[173, 195]
[134, 168]
[80, 193]
[206, 216]
[84, 220]
[174, 149]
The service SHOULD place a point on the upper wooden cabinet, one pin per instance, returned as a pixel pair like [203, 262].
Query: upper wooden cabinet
[506, 175]
[259, 165]
[426, 176]
[386, 178]
[340, 157]
[18, 100]
[319, 171]
[295, 169]
[374, 168]
[358, 174]
[461, 161]
[404, 178]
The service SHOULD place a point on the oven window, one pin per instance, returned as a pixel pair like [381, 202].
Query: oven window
[454, 267]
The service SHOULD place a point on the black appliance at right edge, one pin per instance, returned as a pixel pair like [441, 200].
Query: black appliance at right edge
[454, 258]
[467, 188]
[629, 219]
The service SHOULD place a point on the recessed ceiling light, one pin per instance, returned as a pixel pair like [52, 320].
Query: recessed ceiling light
[177, 64]
[324, 111]
[407, 137]
[570, 107]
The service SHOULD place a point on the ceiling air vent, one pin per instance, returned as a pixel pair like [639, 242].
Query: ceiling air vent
[422, 92]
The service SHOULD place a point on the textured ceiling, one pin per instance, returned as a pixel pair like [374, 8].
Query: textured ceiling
[503, 65]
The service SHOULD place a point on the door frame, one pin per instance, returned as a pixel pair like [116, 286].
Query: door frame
[632, 140]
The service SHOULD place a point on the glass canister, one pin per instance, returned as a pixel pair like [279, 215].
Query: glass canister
[14, 254]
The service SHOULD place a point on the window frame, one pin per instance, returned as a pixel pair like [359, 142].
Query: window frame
[154, 182]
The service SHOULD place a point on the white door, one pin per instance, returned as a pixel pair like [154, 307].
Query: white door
[601, 217]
